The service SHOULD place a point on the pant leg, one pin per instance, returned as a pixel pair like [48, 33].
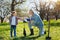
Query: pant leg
[41, 27]
[14, 30]
[31, 29]
[41, 30]
[11, 30]
[30, 25]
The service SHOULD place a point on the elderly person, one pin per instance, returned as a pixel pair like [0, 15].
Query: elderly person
[35, 20]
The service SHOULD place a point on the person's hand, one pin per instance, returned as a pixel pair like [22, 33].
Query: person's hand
[24, 21]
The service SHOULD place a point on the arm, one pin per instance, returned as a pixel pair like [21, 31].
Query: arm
[20, 18]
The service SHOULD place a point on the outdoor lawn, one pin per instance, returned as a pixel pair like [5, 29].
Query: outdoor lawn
[54, 31]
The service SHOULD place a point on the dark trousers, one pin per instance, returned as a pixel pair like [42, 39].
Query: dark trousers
[13, 28]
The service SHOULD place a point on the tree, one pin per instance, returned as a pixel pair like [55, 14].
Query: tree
[6, 8]
[14, 3]
[57, 9]
[45, 10]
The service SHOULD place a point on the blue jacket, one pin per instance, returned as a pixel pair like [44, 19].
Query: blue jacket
[37, 20]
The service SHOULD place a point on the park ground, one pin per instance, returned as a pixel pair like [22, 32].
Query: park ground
[54, 31]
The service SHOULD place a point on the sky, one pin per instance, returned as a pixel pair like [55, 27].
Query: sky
[30, 5]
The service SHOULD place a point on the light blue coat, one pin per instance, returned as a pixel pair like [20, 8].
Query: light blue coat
[37, 20]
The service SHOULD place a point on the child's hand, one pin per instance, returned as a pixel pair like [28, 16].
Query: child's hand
[20, 18]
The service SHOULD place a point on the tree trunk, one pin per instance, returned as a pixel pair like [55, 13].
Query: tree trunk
[41, 15]
[12, 5]
[2, 19]
[47, 18]
[56, 16]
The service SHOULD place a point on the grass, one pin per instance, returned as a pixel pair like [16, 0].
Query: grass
[54, 31]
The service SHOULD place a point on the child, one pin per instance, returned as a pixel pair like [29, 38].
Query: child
[13, 22]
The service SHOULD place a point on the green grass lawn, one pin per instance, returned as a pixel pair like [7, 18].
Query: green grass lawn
[54, 31]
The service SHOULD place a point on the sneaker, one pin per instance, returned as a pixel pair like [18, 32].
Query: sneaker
[32, 33]
[44, 32]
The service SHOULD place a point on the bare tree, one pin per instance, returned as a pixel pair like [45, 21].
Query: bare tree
[6, 8]
[57, 10]
[14, 3]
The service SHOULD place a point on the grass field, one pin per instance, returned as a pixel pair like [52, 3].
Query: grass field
[54, 31]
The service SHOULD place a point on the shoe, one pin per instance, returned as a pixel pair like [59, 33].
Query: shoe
[44, 32]
[32, 33]
[48, 38]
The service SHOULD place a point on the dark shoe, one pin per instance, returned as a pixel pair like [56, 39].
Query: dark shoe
[32, 33]
[44, 32]
[48, 38]
[24, 32]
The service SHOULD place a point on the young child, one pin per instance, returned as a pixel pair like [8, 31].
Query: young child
[13, 22]
[35, 20]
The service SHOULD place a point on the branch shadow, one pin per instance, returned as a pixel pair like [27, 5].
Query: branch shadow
[4, 24]
[4, 29]
[26, 38]
[55, 24]
[1, 38]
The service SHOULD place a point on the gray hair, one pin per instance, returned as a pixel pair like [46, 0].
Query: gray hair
[31, 10]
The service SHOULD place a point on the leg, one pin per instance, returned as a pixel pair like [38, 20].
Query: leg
[41, 30]
[14, 31]
[30, 25]
[11, 30]
[31, 30]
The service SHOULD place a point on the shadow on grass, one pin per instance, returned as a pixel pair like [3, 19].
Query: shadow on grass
[26, 38]
[4, 29]
[1, 38]
[55, 24]
[4, 24]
